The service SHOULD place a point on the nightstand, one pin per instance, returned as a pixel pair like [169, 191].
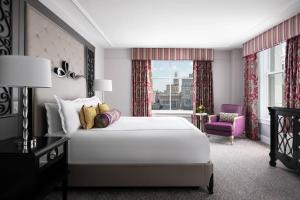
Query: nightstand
[33, 173]
[199, 120]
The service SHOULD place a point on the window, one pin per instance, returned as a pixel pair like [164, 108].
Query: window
[172, 85]
[271, 76]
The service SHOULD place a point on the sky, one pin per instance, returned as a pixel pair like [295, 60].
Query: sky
[167, 69]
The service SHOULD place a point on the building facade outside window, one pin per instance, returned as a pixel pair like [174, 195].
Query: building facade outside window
[172, 85]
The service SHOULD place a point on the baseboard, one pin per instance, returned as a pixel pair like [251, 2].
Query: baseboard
[265, 139]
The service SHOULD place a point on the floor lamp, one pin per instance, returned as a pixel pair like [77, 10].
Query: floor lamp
[26, 72]
[102, 85]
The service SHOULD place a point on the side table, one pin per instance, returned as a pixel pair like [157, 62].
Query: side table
[199, 119]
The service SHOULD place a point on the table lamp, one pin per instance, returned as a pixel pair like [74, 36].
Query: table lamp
[102, 85]
[26, 72]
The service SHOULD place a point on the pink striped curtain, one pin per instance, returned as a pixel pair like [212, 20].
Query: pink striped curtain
[251, 97]
[172, 54]
[292, 73]
[280, 33]
[141, 88]
[203, 86]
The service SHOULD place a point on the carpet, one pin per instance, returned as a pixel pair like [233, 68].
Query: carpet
[241, 172]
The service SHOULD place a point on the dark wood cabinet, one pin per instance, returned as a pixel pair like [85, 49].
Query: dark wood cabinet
[33, 173]
[285, 137]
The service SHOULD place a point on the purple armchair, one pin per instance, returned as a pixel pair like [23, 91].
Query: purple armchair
[230, 129]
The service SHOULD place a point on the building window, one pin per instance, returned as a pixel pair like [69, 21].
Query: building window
[172, 85]
[271, 76]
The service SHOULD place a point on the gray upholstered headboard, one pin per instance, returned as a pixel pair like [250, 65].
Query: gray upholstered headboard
[47, 39]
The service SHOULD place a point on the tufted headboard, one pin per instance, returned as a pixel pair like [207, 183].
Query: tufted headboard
[46, 39]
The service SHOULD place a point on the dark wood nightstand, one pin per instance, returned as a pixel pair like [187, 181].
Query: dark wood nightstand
[33, 173]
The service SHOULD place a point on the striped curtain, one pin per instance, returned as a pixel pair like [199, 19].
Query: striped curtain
[141, 88]
[203, 86]
[172, 54]
[251, 97]
[292, 73]
[274, 36]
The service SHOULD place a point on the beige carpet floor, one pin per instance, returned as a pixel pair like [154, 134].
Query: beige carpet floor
[242, 172]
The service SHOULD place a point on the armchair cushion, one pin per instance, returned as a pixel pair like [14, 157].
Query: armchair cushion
[219, 126]
[227, 117]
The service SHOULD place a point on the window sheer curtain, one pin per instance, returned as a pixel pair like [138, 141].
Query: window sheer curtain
[141, 88]
[203, 86]
[292, 73]
[251, 97]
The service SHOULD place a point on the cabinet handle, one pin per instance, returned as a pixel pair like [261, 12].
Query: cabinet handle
[52, 154]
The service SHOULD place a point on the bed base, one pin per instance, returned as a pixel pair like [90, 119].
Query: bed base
[142, 175]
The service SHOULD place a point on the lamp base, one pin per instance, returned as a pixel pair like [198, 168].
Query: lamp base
[25, 116]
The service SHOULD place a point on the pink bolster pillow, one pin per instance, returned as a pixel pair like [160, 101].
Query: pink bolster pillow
[105, 119]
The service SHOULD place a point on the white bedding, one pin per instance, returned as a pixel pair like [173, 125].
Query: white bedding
[134, 140]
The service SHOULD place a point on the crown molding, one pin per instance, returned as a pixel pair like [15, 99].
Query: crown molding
[91, 21]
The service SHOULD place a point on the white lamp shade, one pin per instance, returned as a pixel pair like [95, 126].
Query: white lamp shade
[20, 71]
[102, 85]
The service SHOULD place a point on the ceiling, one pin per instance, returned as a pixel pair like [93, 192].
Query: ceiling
[216, 24]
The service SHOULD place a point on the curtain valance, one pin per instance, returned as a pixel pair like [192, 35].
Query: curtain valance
[283, 31]
[172, 54]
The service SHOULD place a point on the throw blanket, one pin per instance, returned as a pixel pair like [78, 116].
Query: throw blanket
[105, 119]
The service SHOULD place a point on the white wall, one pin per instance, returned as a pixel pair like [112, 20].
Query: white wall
[237, 77]
[117, 64]
[227, 78]
[99, 62]
[264, 129]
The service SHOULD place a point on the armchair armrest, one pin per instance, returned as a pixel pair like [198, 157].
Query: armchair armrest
[212, 118]
[239, 125]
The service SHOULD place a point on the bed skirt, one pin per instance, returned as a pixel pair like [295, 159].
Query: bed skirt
[142, 175]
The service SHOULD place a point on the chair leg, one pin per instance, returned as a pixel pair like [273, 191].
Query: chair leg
[231, 138]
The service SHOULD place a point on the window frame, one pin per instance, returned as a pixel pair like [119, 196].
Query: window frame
[266, 59]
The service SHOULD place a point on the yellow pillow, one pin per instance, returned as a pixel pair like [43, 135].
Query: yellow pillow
[102, 108]
[87, 116]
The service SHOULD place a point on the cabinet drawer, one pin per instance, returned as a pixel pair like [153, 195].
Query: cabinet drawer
[51, 156]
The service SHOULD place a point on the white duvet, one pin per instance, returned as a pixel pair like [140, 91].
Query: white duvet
[134, 140]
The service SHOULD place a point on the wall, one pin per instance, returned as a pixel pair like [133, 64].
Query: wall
[99, 62]
[117, 64]
[227, 77]
[264, 129]
[237, 77]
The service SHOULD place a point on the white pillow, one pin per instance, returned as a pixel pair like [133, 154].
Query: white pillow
[69, 111]
[92, 101]
[53, 118]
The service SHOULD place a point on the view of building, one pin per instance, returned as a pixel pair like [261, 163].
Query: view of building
[176, 96]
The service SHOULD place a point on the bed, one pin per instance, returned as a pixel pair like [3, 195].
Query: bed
[141, 151]
[132, 152]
